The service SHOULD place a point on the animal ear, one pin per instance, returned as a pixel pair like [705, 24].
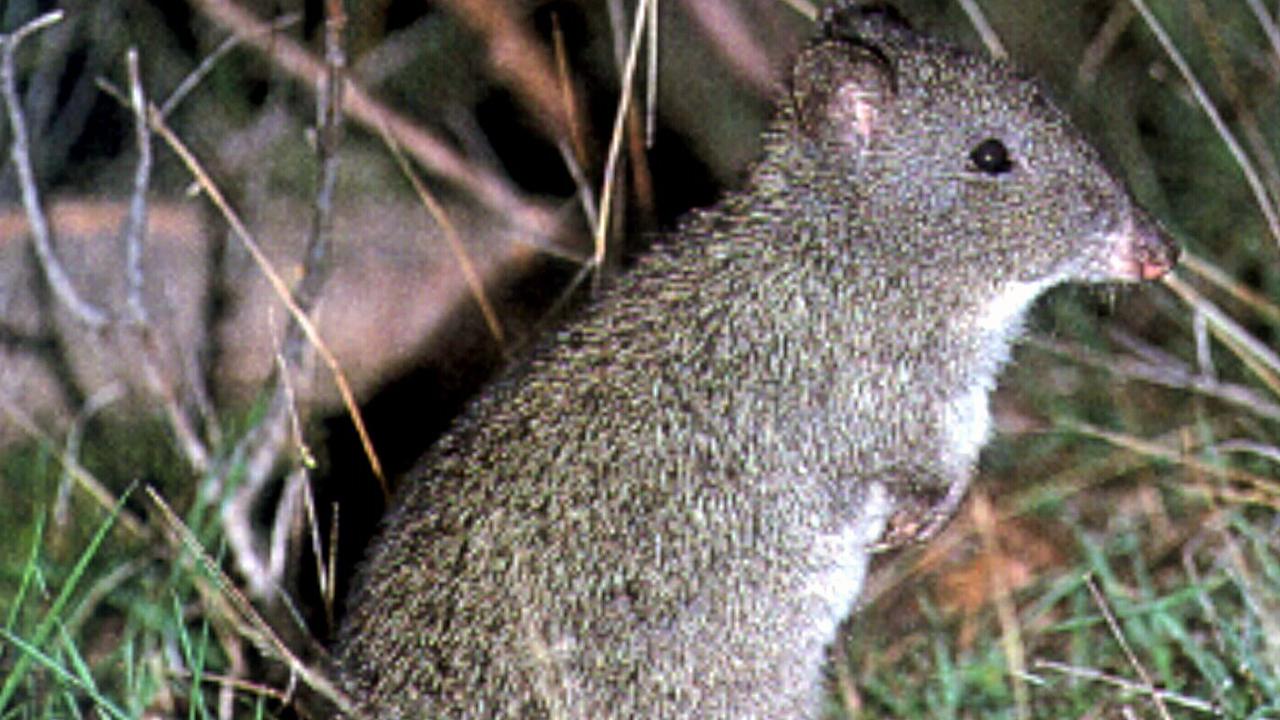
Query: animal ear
[842, 92]
[860, 20]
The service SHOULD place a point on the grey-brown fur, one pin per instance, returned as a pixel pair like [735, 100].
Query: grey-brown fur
[668, 510]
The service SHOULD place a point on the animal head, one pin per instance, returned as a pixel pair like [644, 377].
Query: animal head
[963, 162]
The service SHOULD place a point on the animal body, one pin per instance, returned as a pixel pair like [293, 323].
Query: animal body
[668, 509]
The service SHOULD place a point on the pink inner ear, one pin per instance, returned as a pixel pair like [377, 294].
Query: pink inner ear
[860, 108]
[867, 113]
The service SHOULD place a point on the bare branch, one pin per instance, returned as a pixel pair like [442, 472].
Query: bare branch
[83, 477]
[20, 152]
[136, 222]
[206, 65]
[264, 443]
[188, 438]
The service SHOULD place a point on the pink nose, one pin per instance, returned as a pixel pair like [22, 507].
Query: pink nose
[1147, 252]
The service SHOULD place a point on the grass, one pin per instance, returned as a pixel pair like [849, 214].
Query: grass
[106, 624]
[1198, 617]
[1121, 557]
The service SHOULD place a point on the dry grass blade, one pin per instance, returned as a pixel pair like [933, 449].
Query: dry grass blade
[1165, 372]
[1264, 604]
[1256, 301]
[1268, 23]
[450, 232]
[519, 61]
[1256, 356]
[1266, 491]
[615, 139]
[1104, 41]
[988, 34]
[1010, 631]
[651, 80]
[277, 283]
[1242, 109]
[804, 7]
[237, 607]
[577, 138]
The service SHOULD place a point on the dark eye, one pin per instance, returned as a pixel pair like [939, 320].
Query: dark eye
[991, 157]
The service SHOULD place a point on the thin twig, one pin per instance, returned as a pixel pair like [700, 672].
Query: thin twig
[1268, 492]
[20, 152]
[1259, 303]
[83, 477]
[136, 221]
[1174, 698]
[188, 438]
[586, 195]
[1166, 374]
[289, 511]
[206, 65]
[1148, 684]
[264, 443]
[324, 575]
[103, 397]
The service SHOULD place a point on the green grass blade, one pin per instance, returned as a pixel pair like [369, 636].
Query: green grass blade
[32, 654]
[29, 572]
[47, 625]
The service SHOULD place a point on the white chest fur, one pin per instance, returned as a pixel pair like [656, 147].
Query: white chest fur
[966, 419]
[844, 555]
